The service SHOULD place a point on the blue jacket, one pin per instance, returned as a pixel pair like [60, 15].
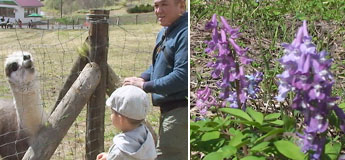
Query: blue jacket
[167, 77]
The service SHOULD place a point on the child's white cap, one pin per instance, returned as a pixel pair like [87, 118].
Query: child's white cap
[129, 101]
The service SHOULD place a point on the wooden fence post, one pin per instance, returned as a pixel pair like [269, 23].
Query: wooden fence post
[99, 42]
[78, 65]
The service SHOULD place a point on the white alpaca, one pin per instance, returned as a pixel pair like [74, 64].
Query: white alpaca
[21, 75]
[21, 119]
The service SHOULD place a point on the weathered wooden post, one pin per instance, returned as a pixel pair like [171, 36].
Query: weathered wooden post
[74, 73]
[99, 42]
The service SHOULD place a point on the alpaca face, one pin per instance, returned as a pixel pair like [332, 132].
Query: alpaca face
[20, 71]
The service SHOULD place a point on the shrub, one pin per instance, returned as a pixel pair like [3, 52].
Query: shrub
[141, 9]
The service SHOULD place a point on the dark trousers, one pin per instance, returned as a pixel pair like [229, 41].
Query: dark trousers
[173, 135]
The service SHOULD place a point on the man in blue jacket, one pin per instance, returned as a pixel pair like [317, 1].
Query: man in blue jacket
[167, 79]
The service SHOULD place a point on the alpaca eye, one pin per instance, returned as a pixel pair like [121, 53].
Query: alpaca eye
[11, 68]
[14, 67]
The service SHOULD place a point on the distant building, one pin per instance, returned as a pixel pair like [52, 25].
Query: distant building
[20, 9]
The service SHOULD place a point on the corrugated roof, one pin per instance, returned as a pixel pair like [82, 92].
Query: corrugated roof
[29, 3]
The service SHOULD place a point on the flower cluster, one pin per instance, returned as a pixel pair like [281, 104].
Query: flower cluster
[230, 58]
[205, 100]
[306, 72]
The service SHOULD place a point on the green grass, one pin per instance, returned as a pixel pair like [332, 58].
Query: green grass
[129, 54]
[267, 24]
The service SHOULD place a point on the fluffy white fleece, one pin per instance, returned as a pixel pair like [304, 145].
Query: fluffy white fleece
[21, 75]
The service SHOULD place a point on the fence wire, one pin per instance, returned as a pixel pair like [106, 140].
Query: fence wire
[54, 52]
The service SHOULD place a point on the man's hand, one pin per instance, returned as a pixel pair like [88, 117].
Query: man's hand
[102, 156]
[135, 81]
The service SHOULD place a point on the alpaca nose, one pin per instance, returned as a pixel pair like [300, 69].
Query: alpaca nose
[26, 57]
[27, 63]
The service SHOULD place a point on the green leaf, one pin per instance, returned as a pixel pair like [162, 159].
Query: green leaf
[278, 122]
[237, 113]
[220, 120]
[224, 152]
[210, 135]
[246, 142]
[272, 116]
[248, 123]
[342, 106]
[253, 158]
[289, 149]
[201, 123]
[271, 133]
[260, 147]
[276, 13]
[206, 129]
[236, 139]
[301, 16]
[228, 151]
[214, 156]
[257, 116]
[333, 119]
[289, 123]
[211, 123]
[267, 129]
[332, 150]
[194, 126]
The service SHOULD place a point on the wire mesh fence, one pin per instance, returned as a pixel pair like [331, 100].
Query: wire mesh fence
[53, 53]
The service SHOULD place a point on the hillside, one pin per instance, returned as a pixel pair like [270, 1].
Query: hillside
[52, 8]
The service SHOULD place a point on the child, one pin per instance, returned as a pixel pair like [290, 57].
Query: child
[129, 105]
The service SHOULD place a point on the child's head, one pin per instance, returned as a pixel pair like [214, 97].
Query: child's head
[129, 106]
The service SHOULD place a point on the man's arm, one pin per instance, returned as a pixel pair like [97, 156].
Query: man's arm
[177, 80]
[147, 74]
[138, 81]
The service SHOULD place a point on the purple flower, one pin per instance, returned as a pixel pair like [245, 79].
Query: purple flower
[253, 84]
[212, 24]
[312, 142]
[205, 100]
[231, 101]
[228, 67]
[234, 33]
[306, 72]
[199, 119]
